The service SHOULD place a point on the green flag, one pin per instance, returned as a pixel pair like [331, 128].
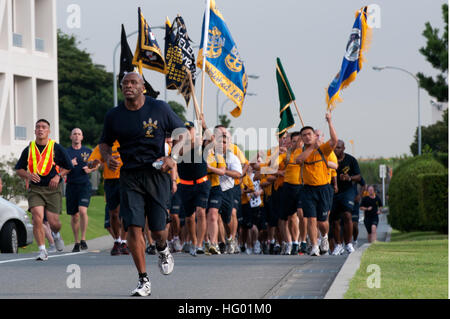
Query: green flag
[286, 97]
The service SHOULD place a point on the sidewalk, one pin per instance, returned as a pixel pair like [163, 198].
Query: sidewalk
[340, 285]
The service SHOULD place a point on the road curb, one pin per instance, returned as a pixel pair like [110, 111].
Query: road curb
[340, 284]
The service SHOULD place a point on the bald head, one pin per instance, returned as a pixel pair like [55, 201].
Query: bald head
[340, 148]
[76, 136]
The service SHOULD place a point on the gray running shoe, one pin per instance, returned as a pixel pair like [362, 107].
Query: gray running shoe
[143, 289]
[166, 261]
[43, 255]
[177, 245]
[51, 249]
[324, 246]
[59, 242]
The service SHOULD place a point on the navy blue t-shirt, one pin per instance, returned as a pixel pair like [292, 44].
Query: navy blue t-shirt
[195, 167]
[141, 134]
[348, 165]
[77, 175]
[60, 157]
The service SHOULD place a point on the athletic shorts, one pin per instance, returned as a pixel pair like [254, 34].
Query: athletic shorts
[227, 206]
[272, 207]
[112, 192]
[315, 201]
[237, 196]
[144, 192]
[290, 200]
[51, 199]
[77, 195]
[193, 196]
[369, 221]
[176, 204]
[215, 197]
[343, 202]
[355, 213]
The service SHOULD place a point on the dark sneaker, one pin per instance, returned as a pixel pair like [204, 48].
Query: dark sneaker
[151, 250]
[83, 245]
[294, 250]
[222, 248]
[265, 248]
[116, 249]
[303, 248]
[76, 248]
[143, 288]
[124, 249]
[277, 250]
[271, 248]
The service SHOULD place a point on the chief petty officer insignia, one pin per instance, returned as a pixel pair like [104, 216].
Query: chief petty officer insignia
[85, 156]
[149, 127]
[215, 43]
[233, 60]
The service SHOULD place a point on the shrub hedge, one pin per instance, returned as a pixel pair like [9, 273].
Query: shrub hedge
[433, 201]
[404, 210]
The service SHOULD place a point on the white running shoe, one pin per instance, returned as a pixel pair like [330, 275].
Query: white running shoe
[324, 245]
[230, 246]
[338, 250]
[249, 251]
[349, 248]
[177, 245]
[193, 251]
[143, 289]
[288, 249]
[59, 242]
[236, 248]
[43, 255]
[166, 261]
[257, 248]
[315, 251]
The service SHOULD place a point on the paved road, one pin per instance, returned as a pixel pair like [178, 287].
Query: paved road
[204, 277]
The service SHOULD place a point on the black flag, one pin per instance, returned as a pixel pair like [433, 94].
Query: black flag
[179, 58]
[126, 65]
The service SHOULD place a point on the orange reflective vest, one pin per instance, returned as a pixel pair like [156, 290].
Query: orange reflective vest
[41, 163]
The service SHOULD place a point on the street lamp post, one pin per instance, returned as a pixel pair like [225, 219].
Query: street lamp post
[419, 133]
[114, 62]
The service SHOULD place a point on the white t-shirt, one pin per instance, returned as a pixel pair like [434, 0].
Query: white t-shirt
[255, 201]
[233, 164]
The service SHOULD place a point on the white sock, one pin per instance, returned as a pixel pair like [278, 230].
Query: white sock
[42, 247]
[117, 240]
[123, 241]
[295, 242]
[325, 237]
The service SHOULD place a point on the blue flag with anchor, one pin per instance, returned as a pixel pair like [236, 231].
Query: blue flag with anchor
[223, 62]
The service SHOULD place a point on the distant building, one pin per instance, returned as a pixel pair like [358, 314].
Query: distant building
[437, 110]
[28, 71]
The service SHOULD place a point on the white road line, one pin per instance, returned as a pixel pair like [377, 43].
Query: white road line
[34, 258]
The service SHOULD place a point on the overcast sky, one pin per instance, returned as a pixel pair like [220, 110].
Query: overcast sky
[379, 109]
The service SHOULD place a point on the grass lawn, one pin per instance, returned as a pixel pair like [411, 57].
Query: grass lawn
[96, 214]
[413, 265]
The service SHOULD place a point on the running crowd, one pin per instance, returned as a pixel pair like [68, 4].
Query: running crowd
[171, 187]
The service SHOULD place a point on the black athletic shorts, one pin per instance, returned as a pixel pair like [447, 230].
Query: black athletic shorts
[193, 196]
[369, 221]
[227, 206]
[237, 196]
[215, 197]
[343, 202]
[77, 195]
[144, 192]
[355, 213]
[112, 192]
[272, 206]
[290, 200]
[315, 201]
[107, 223]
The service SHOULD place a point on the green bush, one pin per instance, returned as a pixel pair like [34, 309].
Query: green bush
[404, 211]
[442, 158]
[13, 185]
[433, 201]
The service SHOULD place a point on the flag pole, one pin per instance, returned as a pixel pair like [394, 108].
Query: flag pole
[298, 112]
[285, 84]
[191, 84]
[205, 49]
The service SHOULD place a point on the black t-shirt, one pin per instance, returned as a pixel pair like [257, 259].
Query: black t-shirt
[77, 175]
[195, 168]
[60, 157]
[348, 165]
[375, 203]
[141, 134]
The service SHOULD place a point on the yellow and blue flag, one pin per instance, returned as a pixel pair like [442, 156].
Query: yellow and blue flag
[353, 58]
[223, 62]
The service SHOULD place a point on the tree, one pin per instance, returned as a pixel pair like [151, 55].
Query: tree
[85, 92]
[13, 185]
[178, 109]
[224, 120]
[436, 52]
[434, 137]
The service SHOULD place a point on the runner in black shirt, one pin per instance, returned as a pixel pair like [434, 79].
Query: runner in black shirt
[371, 206]
[140, 125]
[343, 201]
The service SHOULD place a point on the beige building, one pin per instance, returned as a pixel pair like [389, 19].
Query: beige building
[28, 71]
